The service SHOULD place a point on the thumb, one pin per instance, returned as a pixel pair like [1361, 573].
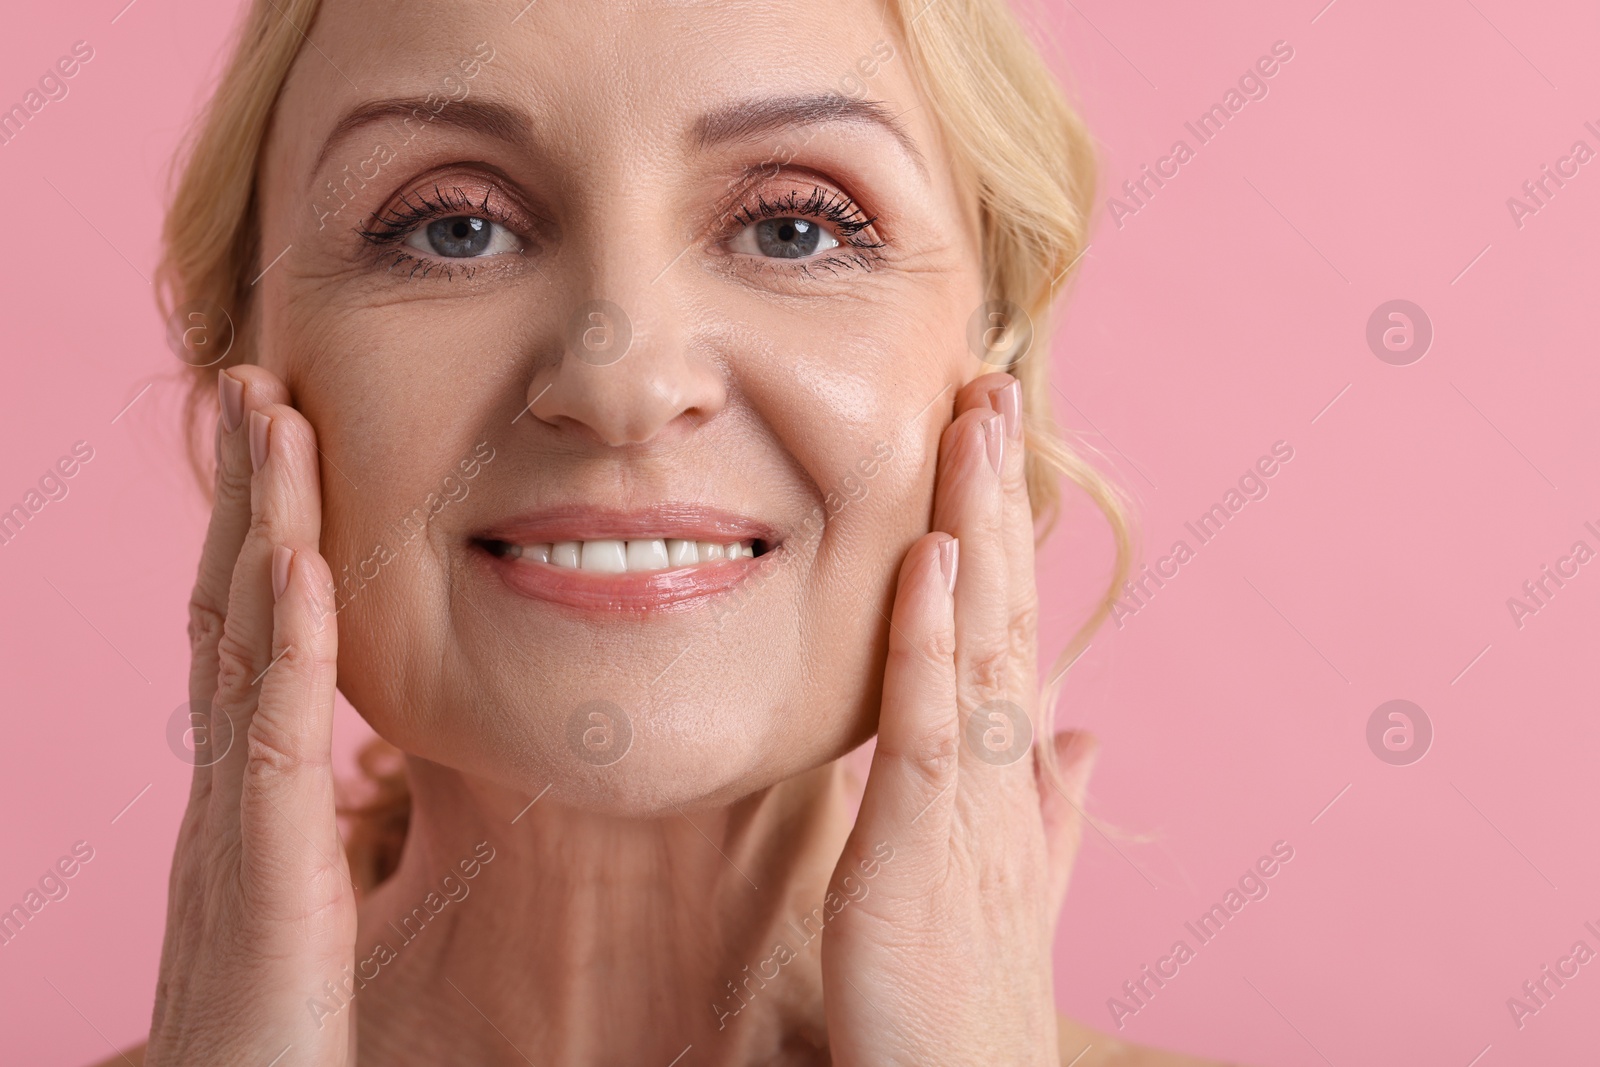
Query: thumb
[1061, 805]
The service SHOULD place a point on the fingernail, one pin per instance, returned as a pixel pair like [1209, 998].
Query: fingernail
[1009, 402]
[949, 560]
[994, 441]
[282, 556]
[260, 426]
[230, 392]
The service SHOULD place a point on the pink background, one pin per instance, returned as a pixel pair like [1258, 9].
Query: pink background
[1223, 316]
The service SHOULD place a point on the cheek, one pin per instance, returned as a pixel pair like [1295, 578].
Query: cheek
[831, 392]
[398, 395]
[395, 413]
[840, 385]
[859, 411]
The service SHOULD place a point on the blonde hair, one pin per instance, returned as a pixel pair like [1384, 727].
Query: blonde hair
[1007, 123]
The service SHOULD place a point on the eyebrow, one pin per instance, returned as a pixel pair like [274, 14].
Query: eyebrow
[474, 116]
[748, 119]
[740, 121]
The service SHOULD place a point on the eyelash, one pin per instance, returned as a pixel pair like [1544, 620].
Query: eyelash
[415, 210]
[850, 222]
[848, 219]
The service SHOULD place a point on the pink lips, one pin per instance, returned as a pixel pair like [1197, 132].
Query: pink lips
[640, 592]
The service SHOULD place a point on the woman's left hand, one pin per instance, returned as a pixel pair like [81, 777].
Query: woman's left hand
[944, 903]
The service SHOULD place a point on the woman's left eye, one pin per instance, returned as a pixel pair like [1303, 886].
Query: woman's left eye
[784, 238]
[463, 237]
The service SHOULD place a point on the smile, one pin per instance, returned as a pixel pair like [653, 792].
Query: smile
[659, 557]
[627, 557]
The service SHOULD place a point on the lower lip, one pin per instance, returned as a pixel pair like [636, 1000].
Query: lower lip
[681, 588]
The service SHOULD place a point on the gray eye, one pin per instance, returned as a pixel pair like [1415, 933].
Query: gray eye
[784, 238]
[463, 237]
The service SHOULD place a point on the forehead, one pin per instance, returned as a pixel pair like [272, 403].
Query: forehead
[602, 78]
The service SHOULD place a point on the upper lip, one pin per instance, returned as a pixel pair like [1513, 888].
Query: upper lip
[578, 522]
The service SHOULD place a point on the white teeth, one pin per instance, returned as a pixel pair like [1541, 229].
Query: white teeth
[607, 556]
[646, 555]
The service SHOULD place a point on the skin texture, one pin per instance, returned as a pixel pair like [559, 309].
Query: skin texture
[609, 921]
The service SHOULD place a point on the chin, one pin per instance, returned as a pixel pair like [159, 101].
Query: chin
[604, 708]
[646, 763]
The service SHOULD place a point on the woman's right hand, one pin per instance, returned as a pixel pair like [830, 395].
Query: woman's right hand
[260, 909]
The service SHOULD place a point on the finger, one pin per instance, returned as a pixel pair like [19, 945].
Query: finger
[1061, 808]
[285, 509]
[292, 861]
[993, 681]
[967, 505]
[1002, 394]
[909, 794]
[240, 390]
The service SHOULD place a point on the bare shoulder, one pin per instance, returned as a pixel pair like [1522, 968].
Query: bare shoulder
[1082, 1046]
[133, 1056]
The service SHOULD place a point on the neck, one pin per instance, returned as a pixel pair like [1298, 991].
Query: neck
[569, 937]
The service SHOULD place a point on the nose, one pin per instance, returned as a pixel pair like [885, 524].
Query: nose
[627, 374]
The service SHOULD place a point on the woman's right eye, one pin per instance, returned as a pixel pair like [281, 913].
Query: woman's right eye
[463, 237]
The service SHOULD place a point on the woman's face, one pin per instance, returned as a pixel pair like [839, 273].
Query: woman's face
[544, 284]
